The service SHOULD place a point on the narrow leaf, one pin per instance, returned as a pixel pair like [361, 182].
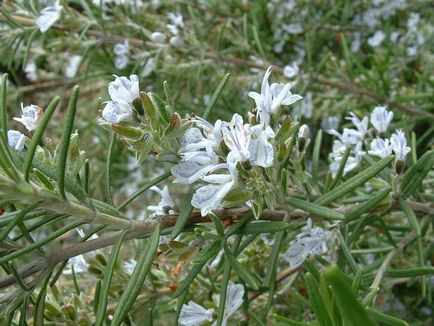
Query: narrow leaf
[354, 182]
[3, 107]
[350, 308]
[316, 301]
[367, 205]
[416, 174]
[183, 217]
[316, 155]
[64, 142]
[137, 278]
[385, 319]
[315, 209]
[260, 227]
[105, 286]
[215, 96]
[241, 271]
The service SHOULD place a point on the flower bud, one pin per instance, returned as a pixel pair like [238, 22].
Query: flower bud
[69, 311]
[176, 42]
[101, 259]
[148, 106]
[158, 37]
[127, 131]
[303, 138]
[16, 140]
[138, 106]
[174, 124]
[399, 166]
[257, 204]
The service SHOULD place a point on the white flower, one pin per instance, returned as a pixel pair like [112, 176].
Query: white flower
[380, 148]
[311, 241]
[293, 28]
[122, 52]
[261, 151]
[121, 61]
[78, 263]
[16, 140]
[381, 118]
[348, 137]
[30, 70]
[193, 314]
[236, 136]
[399, 145]
[30, 116]
[272, 97]
[394, 36]
[304, 108]
[353, 160]
[48, 16]
[357, 42]
[124, 89]
[122, 48]
[234, 300]
[196, 151]
[209, 197]
[176, 21]
[193, 169]
[149, 67]
[158, 37]
[413, 21]
[376, 39]
[166, 204]
[129, 266]
[361, 125]
[330, 123]
[291, 70]
[72, 67]
[176, 41]
[115, 112]
[213, 132]
[304, 135]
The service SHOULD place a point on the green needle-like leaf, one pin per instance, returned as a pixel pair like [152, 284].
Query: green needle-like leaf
[215, 96]
[241, 271]
[316, 301]
[315, 209]
[105, 287]
[183, 217]
[354, 182]
[137, 278]
[64, 142]
[350, 308]
[417, 173]
[3, 107]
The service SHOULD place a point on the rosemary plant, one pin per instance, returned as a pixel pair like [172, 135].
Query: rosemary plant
[237, 169]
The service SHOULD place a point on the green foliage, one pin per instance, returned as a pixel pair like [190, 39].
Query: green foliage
[83, 237]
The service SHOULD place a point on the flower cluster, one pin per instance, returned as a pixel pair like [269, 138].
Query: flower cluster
[360, 140]
[203, 146]
[123, 92]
